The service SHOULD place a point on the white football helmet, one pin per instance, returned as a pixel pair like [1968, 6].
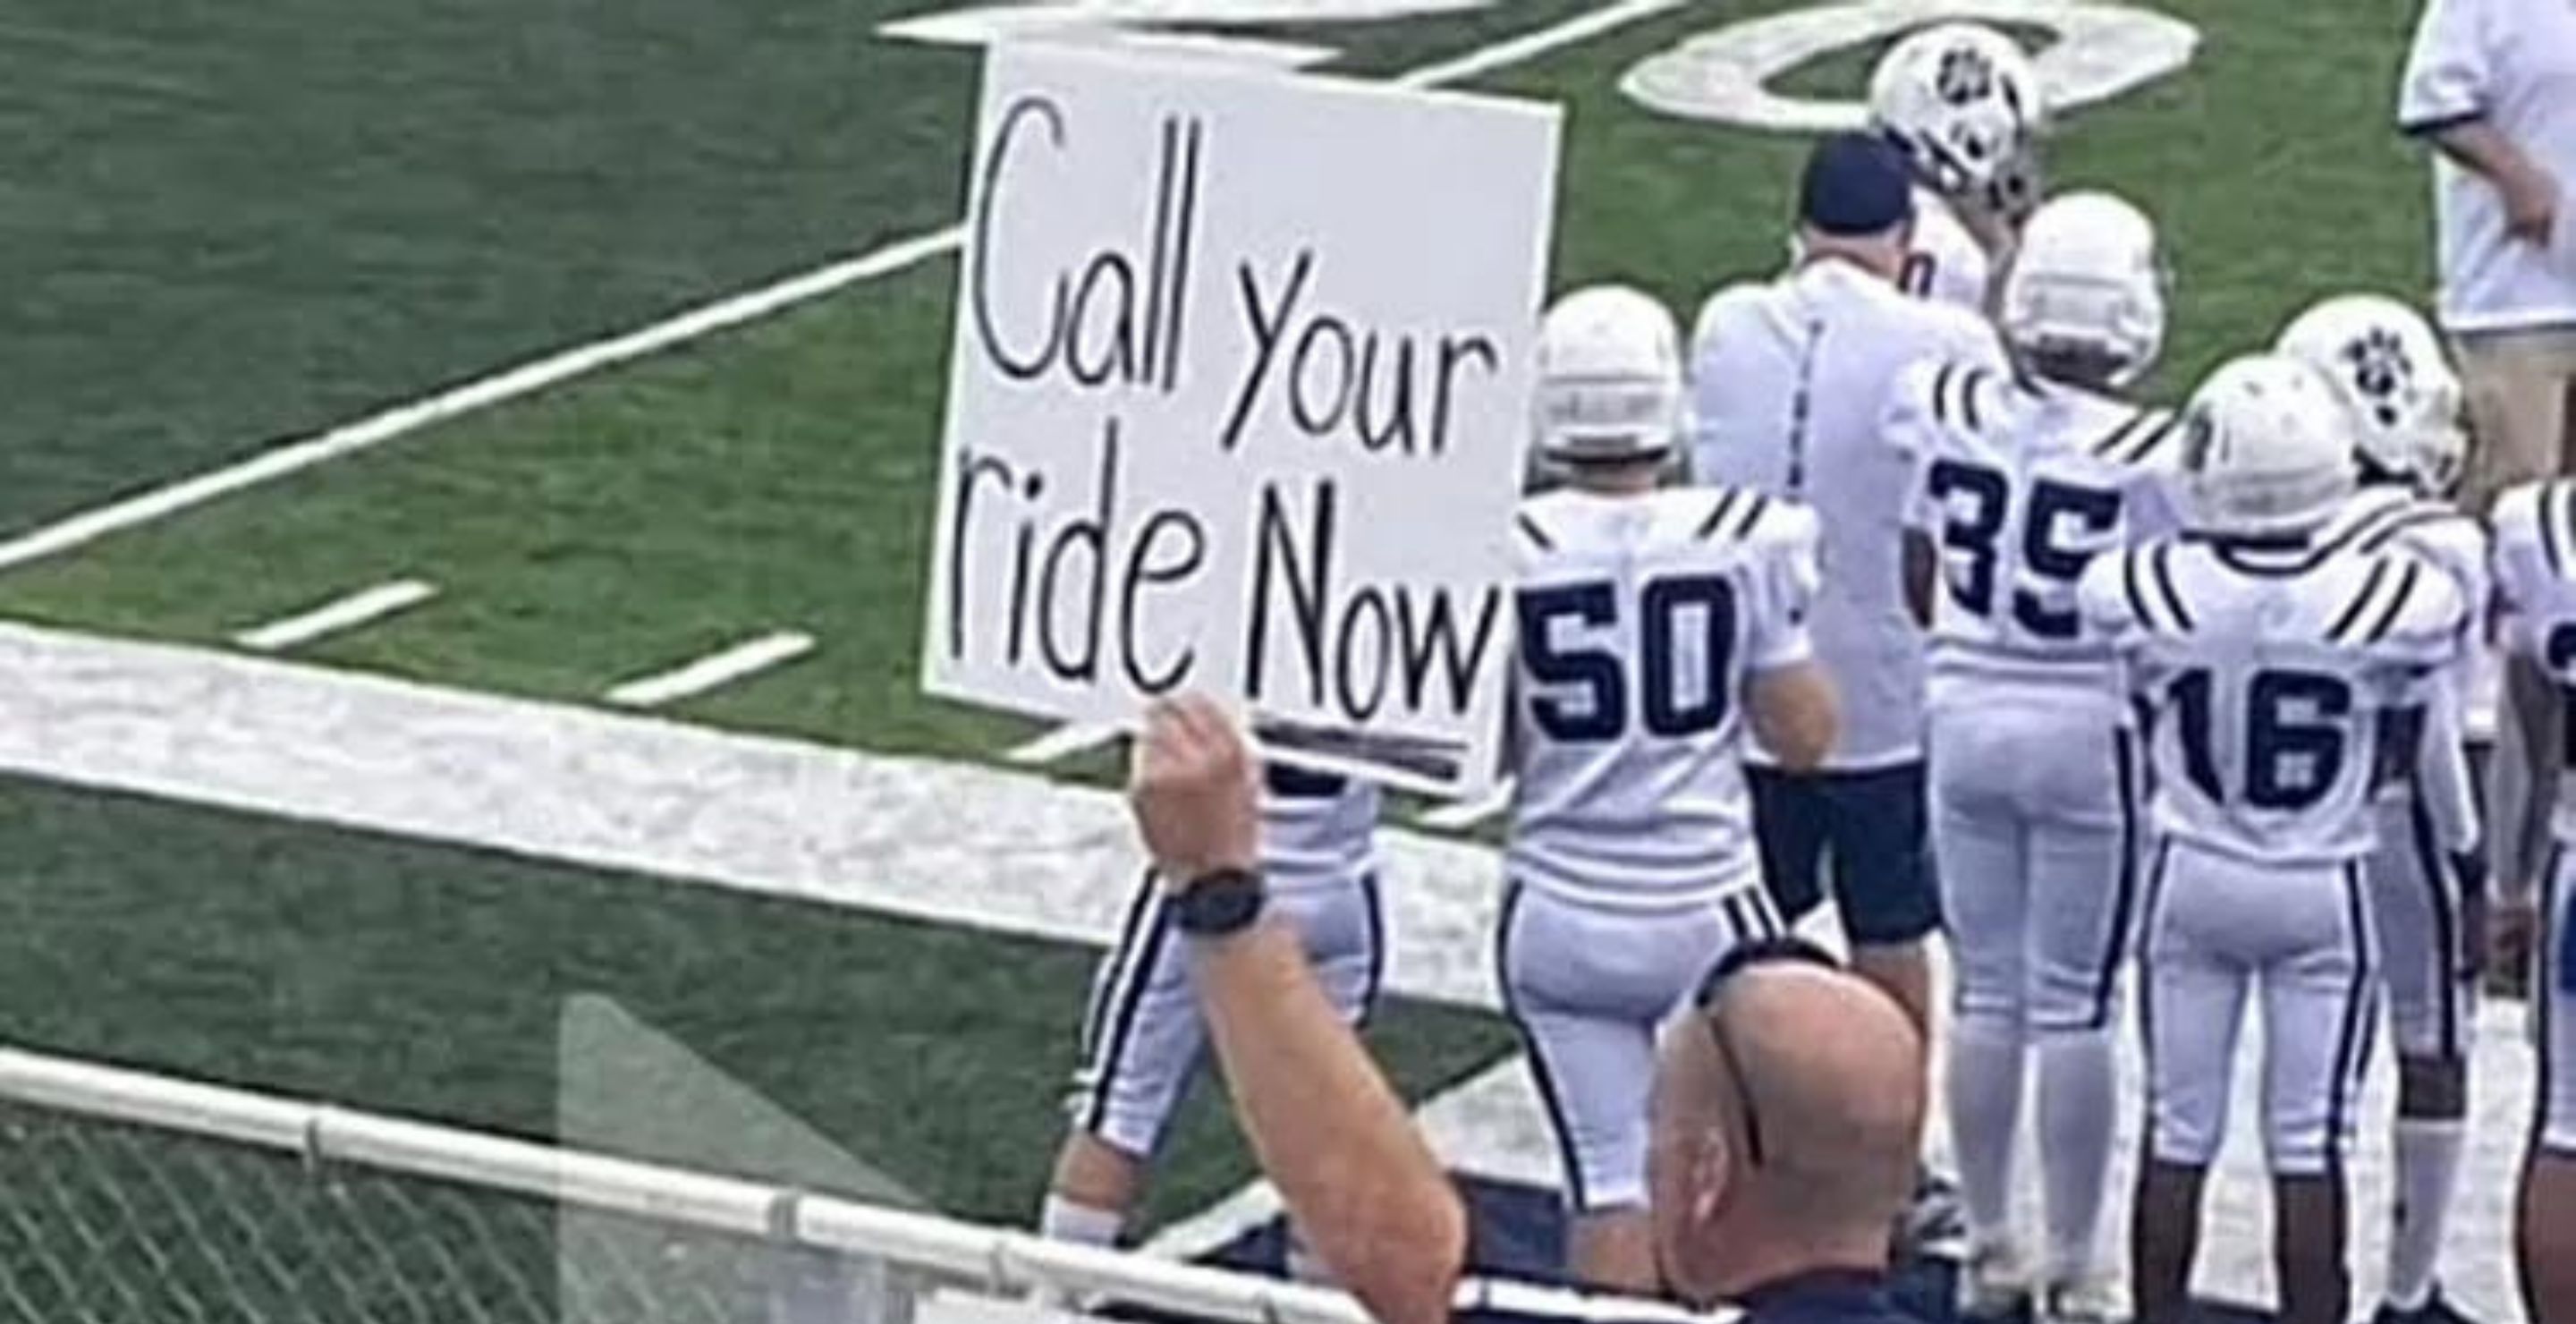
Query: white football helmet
[1609, 377]
[1966, 104]
[2087, 279]
[2267, 447]
[2387, 366]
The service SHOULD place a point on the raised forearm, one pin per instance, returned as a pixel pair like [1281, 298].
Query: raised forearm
[1331, 1134]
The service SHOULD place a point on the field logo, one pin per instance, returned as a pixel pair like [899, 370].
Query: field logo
[2099, 51]
[1238, 400]
[1195, 27]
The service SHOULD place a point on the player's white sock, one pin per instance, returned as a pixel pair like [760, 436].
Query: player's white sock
[1060, 1219]
[2078, 1098]
[2428, 1170]
[1985, 1110]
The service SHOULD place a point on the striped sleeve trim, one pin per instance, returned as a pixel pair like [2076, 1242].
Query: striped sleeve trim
[1941, 409]
[1752, 517]
[1717, 513]
[2157, 424]
[2397, 601]
[2162, 564]
[2551, 512]
[1976, 379]
[2115, 444]
[2129, 585]
[2360, 602]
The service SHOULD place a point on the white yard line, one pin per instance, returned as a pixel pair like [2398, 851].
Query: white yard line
[714, 671]
[1528, 46]
[1062, 743]
[85, 527]
[951, 843]
[346, 613]
[482, 393]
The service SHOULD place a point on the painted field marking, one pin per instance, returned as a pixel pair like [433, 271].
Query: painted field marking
[714, 671]
[363, 607]
[482, 393]
[1062, 743]
[942, 842]
[85, 527]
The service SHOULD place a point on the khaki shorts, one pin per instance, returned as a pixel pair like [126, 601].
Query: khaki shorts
[2521, 396]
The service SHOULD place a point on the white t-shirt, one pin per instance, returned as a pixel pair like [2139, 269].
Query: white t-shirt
[1642, 622]
[1791, 383]
[2513, 64]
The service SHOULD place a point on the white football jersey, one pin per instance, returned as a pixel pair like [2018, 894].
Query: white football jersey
[1947, 264]
[1316, 829]
[2266, 673]
[2535, 581]
[2389, 515]
[1642, 621]
[1791, 383]
[2020, 485]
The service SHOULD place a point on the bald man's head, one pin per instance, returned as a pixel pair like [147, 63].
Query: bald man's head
[1787, 1119]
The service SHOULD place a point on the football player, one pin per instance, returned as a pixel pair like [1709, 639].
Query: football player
[2535, 578]
[2267, 660]
[2426, 876]
[1656, 627]
[1967, 107]
[2020, 481]
[1143, 1040]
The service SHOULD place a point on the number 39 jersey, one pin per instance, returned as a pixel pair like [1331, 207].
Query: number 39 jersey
[2267, 672]
[2020, 487]
[1642, 621]
[2535, 583]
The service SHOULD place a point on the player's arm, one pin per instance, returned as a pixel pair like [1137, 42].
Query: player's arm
[1330, 1132]
[2444, 101]
[2530, 192]
[1909, 427]
[1922, 575]
[2522, 574]
[1789, 697]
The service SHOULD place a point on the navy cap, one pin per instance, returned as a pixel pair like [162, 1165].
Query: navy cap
[1856, 184]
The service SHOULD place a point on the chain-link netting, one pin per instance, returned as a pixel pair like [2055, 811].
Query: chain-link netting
[104, 1222]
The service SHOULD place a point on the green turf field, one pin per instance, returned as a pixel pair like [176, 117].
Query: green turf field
[225, 227]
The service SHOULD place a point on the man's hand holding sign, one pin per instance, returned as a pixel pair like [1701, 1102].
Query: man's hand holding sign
[1238, 399]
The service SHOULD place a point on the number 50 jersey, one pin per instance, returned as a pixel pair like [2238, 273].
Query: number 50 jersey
[1643, 620]
[2266, 672]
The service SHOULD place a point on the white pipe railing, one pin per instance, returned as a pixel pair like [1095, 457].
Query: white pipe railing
[993, 1259]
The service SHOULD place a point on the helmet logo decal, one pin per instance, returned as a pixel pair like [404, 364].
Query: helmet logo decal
[1966, 76]
[2380, 370]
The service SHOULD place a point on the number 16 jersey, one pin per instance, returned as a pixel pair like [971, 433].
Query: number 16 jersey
[1643, 620]
[2266, 670]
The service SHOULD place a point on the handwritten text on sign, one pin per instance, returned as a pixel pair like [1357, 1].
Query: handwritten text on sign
[1238, 401]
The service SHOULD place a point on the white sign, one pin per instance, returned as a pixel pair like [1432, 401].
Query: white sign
[1237, 404]
[2096, 52]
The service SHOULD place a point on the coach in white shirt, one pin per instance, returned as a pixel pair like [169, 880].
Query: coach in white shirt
[2492, 85]
[1791, 379]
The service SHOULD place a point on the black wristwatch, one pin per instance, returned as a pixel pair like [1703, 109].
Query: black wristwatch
[1223, 902]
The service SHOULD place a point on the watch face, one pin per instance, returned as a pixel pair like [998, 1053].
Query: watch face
[1221, 904]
